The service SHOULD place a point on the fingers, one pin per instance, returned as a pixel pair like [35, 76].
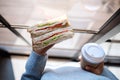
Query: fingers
[97, 70]
[90, 69]
[100, 65]
[93, 70]
[80, 58]
[44, 50]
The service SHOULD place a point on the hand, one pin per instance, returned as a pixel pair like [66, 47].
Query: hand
[44, 50]
[98, 70]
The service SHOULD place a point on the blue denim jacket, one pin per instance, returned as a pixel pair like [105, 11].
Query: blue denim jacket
[35, 71]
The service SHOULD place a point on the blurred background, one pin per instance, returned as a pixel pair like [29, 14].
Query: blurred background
[92, 20]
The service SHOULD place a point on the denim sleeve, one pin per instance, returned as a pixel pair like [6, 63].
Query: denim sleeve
[34, 67]
[108, 74]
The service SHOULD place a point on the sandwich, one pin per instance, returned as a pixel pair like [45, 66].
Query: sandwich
[50, 32]
[48, 26]
[52, 38]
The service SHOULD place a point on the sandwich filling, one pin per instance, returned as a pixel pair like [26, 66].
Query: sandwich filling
[54, 35]
[51, 38]
[54, 38]
[52, 25]
[45, 24]
[49, 25]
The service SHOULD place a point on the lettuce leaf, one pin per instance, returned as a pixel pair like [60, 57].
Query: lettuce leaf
[52, 39]
[45, 24]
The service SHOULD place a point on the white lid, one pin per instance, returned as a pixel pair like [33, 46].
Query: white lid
[93, 53]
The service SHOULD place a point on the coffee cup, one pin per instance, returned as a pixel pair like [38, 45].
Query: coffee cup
[92, 55]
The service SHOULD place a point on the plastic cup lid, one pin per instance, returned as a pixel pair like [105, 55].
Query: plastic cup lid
[93, 52]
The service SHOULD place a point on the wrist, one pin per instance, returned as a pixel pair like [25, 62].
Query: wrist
[41, 52]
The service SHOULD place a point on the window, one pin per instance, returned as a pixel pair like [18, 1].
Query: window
[86, 21]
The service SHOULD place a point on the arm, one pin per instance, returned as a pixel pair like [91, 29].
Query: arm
[35, 64]
[34, 67]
